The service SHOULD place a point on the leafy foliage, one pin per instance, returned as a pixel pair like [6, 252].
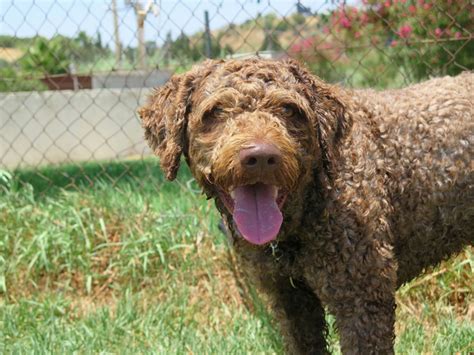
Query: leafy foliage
[11, 80]
[46, 57]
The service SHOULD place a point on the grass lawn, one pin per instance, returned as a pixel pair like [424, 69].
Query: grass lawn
[111, 258]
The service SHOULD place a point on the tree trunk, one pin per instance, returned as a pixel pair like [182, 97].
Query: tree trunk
[141, 15]
[118, 45]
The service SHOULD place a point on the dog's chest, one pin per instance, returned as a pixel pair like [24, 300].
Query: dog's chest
[286, 257]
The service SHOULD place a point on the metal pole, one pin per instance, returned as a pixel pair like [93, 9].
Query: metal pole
[207, 35]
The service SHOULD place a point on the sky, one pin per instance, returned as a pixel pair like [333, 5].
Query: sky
[26, 18]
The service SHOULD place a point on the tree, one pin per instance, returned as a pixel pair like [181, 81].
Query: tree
[150, 48]
[118, 44]
[98, 42]
[141, 13]
[83, 48]
[181, 48]
[130, 54]
[270, 41]
[167, 49]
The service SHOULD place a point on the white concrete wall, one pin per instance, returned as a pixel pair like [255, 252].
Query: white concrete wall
[40, 128]
[131, 79]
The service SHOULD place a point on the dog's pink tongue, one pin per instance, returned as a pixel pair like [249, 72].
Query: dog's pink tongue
[256, 213]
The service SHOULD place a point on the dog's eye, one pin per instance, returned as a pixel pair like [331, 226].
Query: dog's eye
[289, 111]
[215, 112]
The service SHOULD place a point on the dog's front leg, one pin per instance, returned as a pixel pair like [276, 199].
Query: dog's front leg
[361, 294]
[366, 325]
[300, 314]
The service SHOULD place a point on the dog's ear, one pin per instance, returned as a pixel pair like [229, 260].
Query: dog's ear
[331, 118]
[164, 119]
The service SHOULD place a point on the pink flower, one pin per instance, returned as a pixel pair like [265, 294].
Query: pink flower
[438, 32]
[387, 3]
[345, 22]
[307, 43]
[364, 18]
[393, 43]
[405, 31]
[421, 2]
[326, 29]
[296, 48]
[357, 34]
[457, 35]
[427, 6]
[412, 9]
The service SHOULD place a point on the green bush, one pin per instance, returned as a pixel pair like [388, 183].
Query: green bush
[282, 25]
[298, 19]
[10, 81]
[46, 57]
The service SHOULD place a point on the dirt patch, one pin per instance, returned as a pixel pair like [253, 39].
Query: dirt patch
[11, 54]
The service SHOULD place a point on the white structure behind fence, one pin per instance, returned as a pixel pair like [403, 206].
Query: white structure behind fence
[40, 128]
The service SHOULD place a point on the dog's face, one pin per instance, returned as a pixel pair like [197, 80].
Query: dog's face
[252, 132]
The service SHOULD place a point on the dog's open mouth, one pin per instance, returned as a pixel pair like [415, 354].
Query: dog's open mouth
[256, 210]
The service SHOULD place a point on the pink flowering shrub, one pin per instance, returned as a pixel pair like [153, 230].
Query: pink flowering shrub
[425, 37]
[323, 55]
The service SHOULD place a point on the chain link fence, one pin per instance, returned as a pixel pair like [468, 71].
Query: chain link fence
[72, 73]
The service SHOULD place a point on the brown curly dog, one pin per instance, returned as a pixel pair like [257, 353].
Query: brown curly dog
[334, 197]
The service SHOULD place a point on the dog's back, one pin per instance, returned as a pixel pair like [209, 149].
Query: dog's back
[426, 132]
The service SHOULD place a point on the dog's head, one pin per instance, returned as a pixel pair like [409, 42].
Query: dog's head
[252, 132]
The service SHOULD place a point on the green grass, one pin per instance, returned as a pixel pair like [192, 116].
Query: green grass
[108, 257]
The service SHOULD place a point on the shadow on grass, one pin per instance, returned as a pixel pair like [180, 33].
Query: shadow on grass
[50, 180]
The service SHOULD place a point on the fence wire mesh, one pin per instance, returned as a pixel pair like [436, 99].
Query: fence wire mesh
[72, 73]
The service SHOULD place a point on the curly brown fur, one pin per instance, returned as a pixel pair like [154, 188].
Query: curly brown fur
[373, 187]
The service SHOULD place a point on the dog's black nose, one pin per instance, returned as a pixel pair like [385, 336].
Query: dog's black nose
[260, 157]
